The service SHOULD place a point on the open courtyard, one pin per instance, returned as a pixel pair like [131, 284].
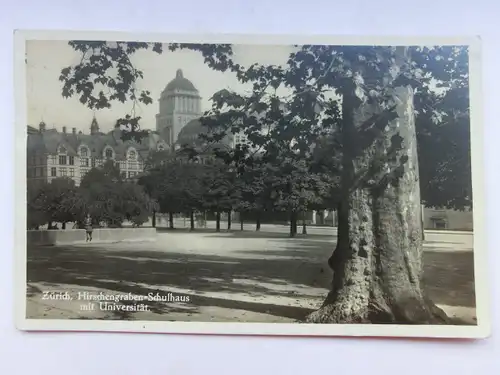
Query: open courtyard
[237, 276]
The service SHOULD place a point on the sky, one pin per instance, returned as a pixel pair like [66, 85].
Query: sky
[45, 59]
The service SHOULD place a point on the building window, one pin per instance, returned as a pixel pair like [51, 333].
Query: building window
[93, 162]
[42, 173]
[53, 172]
[71, 160]
[439, 223]
[63, 171]
[62, 159]
[84, 152]
[131, 174]
[84, 162]
[72, 172]
[109, 153]
[52, 159]
[123, 174]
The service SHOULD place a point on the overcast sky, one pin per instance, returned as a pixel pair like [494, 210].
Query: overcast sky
[45, 59]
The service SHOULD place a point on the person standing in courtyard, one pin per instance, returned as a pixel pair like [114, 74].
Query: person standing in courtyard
[88, 228]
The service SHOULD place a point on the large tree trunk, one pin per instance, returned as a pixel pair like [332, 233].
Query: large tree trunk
[217, 222]
[304, 225]
[342, 233]
[229, 220]
[378, 260]
[153, 220]
[241, 220]
[171, 220]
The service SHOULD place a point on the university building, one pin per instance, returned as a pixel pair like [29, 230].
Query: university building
[52, 153]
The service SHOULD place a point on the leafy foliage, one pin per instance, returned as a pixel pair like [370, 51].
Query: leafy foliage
[325, 84]
[52, 202]
[109, 199]
[175, 184]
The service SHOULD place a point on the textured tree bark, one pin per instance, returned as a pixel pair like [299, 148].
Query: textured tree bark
[154, 219]
[378, 260]
[257, 224]
[241, 220]
[342, 233]
[229, 220]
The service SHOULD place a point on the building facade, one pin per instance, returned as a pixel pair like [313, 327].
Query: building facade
[446, 219]
[52, 153]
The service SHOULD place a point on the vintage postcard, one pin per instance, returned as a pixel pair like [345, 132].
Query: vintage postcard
[260, 185]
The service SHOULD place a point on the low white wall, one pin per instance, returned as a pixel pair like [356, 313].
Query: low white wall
[101, 235]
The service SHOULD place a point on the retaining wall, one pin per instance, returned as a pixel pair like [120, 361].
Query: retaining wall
[102, 235]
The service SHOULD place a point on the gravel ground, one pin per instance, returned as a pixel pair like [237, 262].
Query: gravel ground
[229, 276]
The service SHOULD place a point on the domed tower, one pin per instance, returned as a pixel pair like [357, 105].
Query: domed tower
[179, 103]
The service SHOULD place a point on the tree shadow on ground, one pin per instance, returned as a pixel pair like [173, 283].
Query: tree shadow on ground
[122, 271]
[285, 235]
[236, 233]
[449, 277]
[299, 271]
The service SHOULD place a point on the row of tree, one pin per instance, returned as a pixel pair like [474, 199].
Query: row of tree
[102, 194]
[261, 189]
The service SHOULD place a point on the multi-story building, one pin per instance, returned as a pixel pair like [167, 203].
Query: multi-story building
[52, 153]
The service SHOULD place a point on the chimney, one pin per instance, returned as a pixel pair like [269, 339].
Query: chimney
[64, 129]
[42, 126]
[74, 130]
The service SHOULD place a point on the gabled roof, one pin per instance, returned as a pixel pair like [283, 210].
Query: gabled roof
[49, 140]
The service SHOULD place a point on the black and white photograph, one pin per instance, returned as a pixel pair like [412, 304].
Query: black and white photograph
[249, 185]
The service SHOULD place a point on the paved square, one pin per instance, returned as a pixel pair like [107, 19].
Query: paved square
[229, 276]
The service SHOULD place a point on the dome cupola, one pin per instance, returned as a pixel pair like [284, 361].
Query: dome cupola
[180, 83]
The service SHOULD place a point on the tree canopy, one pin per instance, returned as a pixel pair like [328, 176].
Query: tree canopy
[289, 126]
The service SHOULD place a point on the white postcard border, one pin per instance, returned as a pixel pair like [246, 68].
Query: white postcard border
[481, 330]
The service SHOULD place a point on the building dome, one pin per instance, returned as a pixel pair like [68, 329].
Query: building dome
[180, 83]
[190, 132]
[190, 135]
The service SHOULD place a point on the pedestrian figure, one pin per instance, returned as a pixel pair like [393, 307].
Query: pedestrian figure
[88, 228]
